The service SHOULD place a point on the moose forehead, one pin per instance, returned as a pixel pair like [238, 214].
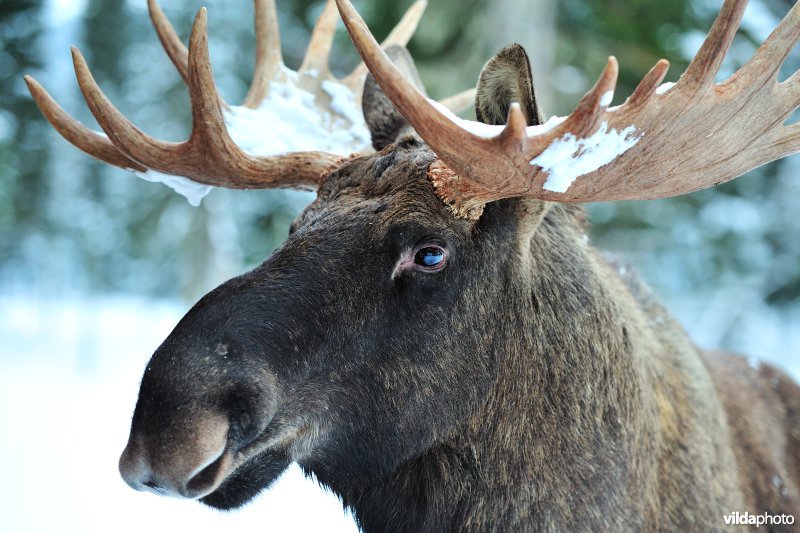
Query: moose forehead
[390, 186]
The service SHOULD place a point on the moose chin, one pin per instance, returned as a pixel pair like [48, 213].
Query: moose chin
[436, 340]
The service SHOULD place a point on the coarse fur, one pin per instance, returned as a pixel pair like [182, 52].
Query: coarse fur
[529, 385]
[506, 78]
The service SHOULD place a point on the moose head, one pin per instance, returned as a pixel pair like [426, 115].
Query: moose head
[435, 333]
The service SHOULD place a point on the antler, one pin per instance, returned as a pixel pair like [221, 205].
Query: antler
[659, 143]
[315, 68]
[210, 155]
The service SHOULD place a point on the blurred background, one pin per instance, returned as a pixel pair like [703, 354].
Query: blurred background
[97, 266]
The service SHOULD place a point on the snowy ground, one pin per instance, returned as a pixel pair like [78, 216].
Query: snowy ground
[69, 373]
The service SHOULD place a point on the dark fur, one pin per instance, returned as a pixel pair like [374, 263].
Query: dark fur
[386, 123]
[527, 386]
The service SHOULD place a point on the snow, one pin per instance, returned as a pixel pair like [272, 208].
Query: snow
[343, 102]
[549, 124]
[737, 318]
[664, 87]
[490, 130]
[290, 119]
[193, 191]
[605, 100]
[568, 158]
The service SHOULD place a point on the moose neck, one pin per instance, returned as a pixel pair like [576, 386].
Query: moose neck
[555, 431]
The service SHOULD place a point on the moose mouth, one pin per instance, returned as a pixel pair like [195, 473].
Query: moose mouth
[258, 472]
[248, 480]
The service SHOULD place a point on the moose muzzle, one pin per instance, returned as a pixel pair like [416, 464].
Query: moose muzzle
[189, 463]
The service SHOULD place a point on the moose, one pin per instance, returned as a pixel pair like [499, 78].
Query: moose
[436, 340]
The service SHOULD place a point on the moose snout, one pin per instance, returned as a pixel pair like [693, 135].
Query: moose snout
[190, 463]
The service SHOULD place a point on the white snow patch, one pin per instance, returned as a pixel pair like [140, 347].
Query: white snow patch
[193, 191]
[343, 102]
[664, 87]
[605, 100]
[568, 158]
[490, 130]
[290, 119]
[549, 124]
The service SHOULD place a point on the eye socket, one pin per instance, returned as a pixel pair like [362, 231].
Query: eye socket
[430, 257]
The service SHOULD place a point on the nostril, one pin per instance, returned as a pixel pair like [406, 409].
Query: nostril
[206, 478]
[155, 487]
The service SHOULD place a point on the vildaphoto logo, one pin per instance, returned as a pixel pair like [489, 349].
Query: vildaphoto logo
[758, 520]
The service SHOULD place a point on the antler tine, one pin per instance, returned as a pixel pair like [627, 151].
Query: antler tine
[441, 133]
[172, 44]
[651, 81]
[586, 116]
[401, 34]
[80, 136]
[123, 134]
[405, 29]
[769, 57]
[319, 48]
[789, 89]
[514, 136]
[706, 63]
[208, 122]
[269, 58]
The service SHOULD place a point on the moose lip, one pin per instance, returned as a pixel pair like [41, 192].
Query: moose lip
[263, 460]
[256, 474]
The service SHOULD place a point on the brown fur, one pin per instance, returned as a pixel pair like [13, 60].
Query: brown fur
[495, 94]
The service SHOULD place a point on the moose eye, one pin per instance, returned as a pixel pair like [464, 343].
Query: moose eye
[430, 257]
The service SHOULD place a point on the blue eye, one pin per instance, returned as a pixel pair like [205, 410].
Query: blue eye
[430, 257]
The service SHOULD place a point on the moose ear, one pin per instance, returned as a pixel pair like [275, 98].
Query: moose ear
[385, 123]
[506, 78]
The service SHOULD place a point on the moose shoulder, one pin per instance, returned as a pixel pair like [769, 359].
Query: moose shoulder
[447, 354]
